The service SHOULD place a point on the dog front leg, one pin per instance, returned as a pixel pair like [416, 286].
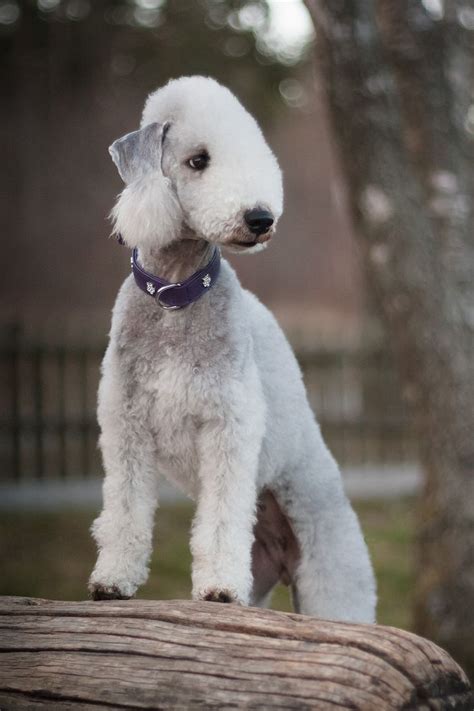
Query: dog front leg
[123, 531]
[222, 533]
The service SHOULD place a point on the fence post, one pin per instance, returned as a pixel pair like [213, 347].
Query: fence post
[14, 352]
[61, 363]
[39, 428]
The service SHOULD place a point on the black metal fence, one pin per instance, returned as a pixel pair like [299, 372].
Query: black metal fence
[48, 423]
[48, 426]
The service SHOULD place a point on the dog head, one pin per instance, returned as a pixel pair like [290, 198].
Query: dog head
[199, 161]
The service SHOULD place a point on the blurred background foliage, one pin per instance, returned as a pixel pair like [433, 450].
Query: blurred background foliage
[76, 46]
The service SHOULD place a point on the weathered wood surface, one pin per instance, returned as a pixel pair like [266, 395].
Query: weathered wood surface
[142, 654]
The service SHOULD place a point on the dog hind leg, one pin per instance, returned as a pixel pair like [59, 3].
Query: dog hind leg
[334, 577]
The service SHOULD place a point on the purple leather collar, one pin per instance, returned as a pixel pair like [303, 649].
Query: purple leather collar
[175, 296]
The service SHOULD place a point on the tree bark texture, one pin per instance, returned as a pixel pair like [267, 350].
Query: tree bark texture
[141, 654]
[399, 82]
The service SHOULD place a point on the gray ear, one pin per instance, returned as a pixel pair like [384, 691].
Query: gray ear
[139, 152]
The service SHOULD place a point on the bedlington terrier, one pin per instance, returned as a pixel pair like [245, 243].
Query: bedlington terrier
[199, 384]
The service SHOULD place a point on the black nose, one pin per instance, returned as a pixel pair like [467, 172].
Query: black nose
[258, 221]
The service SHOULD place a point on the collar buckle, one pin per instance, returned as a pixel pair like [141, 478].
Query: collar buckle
[159, 301]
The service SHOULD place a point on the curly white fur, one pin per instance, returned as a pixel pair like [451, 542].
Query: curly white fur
[211, 396]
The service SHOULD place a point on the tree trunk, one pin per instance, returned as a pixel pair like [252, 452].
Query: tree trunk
[399, 84]
[185, 655]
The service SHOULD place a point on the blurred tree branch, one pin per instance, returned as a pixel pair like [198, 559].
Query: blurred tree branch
[399, 84]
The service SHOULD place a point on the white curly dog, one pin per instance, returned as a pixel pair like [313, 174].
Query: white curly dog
[208, 393]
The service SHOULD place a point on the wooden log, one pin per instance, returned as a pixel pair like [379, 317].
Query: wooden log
[142, 654]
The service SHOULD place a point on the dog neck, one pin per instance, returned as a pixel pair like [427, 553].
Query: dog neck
[178, 260]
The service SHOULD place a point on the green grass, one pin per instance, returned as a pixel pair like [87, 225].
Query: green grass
[51, 555]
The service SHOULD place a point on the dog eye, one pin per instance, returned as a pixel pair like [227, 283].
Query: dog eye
[199, 161]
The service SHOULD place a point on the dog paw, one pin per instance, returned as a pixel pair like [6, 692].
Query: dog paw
[217, 595]
[97, 591]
